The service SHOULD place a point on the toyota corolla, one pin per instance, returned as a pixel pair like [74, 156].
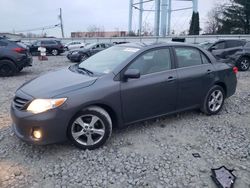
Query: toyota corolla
[117, 87]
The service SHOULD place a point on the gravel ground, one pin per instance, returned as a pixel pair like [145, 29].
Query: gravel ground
[156, 153]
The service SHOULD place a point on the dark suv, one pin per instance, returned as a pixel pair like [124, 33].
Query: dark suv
[223, 48]
[14, 56]
[232, 49]
[53, 47]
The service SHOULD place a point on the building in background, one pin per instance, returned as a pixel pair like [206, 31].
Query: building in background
[12, 35]
[98, 34]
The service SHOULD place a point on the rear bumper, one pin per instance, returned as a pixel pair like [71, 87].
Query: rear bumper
[24, 61]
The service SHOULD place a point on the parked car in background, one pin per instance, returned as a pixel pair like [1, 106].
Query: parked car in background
[232, 49]
[53, 47]
[74, 45]
[121, 42]
[81, 54]
[206, 44]
[119, 86]
[241, 57]
[14, 56]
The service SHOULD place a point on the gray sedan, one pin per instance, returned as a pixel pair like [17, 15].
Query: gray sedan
[117, 87]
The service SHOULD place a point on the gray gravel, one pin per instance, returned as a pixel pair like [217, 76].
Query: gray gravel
[156, 153]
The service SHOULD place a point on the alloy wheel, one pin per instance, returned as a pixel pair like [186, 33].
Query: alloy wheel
[244, 64]
[215, 100]
[54, 52]
[88, 130]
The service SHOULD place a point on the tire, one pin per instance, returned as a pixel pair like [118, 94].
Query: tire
[83, 57]
[20, 69]
[54, 52]
[90, 129]
[7, 68]
[214, 100]
[243, 64]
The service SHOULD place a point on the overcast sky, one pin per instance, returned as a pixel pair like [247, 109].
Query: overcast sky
[78, 15]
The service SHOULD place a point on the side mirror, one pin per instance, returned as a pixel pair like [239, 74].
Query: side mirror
[132, 73]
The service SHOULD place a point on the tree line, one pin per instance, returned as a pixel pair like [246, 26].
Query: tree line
[229, 18]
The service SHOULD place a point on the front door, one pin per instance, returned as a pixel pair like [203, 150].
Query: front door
[155, 92]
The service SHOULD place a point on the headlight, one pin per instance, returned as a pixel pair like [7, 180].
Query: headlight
[42, 105]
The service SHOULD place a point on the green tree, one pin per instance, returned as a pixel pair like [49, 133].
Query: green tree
[195, 24]
[235, 18]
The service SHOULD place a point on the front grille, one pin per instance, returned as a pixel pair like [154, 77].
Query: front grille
[20, 103]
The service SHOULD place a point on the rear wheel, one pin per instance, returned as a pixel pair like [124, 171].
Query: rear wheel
[54, 52]
[214, 100]
[243, 64]
[7, 68]
[90, 128]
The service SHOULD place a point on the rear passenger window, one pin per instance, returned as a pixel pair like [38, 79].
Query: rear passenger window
[235, 43]
[188, 57]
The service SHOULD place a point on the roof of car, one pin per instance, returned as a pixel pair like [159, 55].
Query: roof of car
[142, 45]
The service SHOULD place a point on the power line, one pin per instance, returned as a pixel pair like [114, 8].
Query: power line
[38, 28]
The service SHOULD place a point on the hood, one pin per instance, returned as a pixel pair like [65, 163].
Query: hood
[56, 83]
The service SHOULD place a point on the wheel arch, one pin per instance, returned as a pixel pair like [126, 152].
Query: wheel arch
[223, 85]
[111, 112]
[7, 58]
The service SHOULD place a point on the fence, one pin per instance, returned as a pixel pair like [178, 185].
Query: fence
[189, 39]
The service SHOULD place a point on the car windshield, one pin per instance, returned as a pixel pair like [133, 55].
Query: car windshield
[106, 60]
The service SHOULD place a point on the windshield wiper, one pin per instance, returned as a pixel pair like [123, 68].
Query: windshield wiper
[85, 70]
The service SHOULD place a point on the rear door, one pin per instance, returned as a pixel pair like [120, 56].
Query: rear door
[155, 92]
[195, 76]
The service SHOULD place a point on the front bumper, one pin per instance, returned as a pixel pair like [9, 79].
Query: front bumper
[52, 124]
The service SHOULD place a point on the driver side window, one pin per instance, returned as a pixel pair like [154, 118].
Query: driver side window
[153, 61]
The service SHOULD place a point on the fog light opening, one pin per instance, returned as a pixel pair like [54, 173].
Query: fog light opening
[37, 134]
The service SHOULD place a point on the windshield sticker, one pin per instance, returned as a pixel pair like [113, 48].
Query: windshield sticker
[131, 50]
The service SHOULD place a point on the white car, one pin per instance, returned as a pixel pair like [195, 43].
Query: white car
[74, 45]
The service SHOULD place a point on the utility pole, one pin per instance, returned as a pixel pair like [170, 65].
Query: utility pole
[61, 22]
[157, 17]
[130, 16]
[140, 17]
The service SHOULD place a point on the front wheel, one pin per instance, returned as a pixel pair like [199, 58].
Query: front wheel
[214, 100]
[83, 57]
[91, 128]
[244, 64]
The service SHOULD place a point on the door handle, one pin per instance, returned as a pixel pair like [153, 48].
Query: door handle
[171, 78]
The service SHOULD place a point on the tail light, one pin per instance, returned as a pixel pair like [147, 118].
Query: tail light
[235, 70]
[19, 50]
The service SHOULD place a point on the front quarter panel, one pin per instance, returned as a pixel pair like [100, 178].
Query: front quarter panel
[105, 91]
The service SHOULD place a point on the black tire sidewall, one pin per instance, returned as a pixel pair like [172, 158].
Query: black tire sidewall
[239, 63]
[107, 127]
[11, 65]
[206, 109]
